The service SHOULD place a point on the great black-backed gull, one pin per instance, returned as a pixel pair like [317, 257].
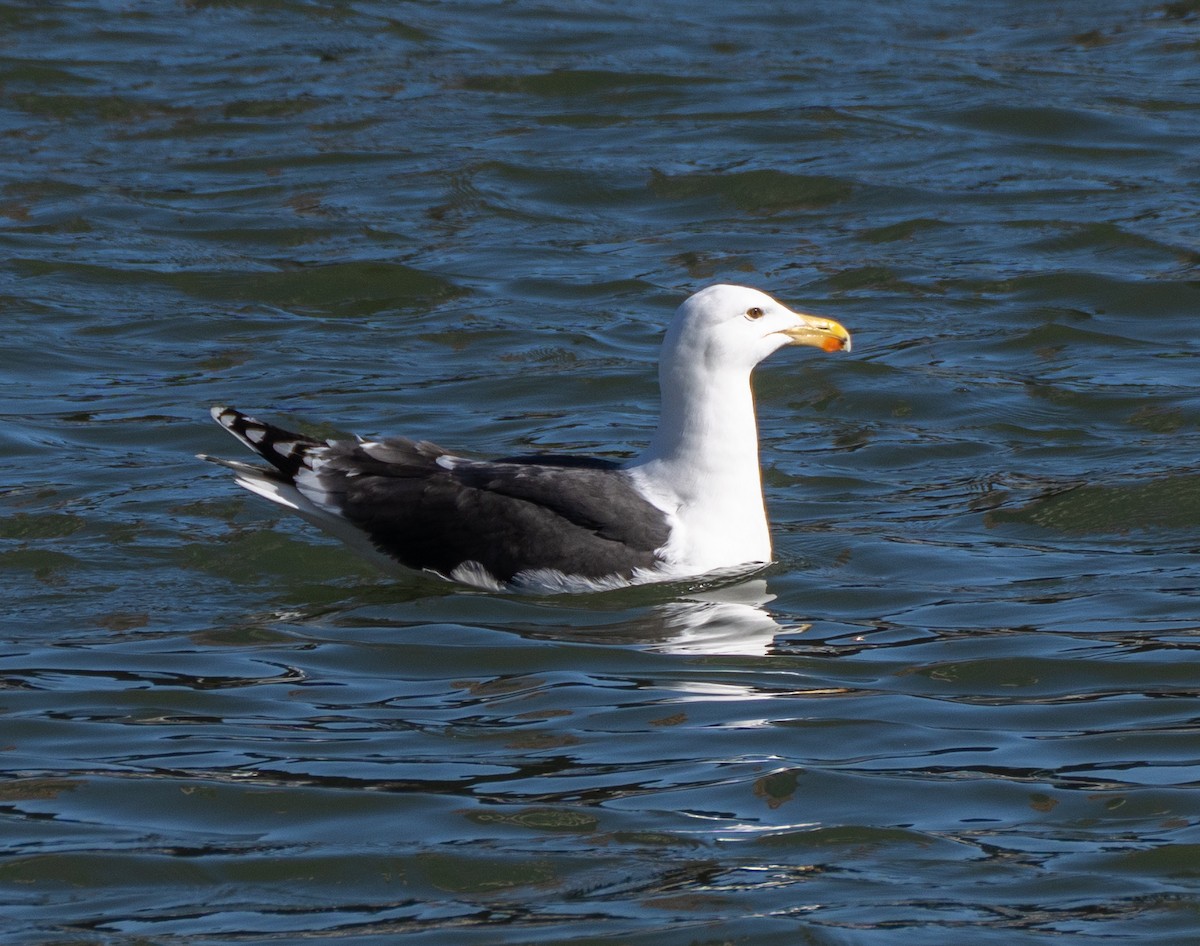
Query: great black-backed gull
[690, 504]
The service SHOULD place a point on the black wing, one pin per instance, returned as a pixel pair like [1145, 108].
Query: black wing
[430, 510]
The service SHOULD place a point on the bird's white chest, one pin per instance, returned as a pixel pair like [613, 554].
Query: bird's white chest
[717, 519]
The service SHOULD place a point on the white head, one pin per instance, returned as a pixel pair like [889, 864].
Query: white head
[732, 328]
[702, 464]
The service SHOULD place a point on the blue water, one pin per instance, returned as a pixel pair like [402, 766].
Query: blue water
[961, 707]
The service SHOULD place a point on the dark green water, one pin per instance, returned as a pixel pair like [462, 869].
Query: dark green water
[961, 708]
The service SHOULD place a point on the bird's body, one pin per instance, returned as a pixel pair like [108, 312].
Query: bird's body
[690, 504]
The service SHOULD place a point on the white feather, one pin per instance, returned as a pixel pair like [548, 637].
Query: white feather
[701, 467]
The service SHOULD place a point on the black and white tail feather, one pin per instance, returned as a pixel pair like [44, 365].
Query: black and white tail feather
[294, 458]
[287, 452]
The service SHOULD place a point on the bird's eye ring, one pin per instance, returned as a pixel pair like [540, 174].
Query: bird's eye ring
[754, 313]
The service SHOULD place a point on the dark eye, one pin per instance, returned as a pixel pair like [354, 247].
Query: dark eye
[755, 313]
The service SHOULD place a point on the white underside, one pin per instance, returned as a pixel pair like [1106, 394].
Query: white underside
[552, 581]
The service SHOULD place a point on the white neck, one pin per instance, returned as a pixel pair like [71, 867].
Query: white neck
[702, 469]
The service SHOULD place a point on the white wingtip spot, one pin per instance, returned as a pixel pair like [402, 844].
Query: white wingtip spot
[287, 448]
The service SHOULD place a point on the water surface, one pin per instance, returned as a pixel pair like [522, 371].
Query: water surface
[960, 707]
